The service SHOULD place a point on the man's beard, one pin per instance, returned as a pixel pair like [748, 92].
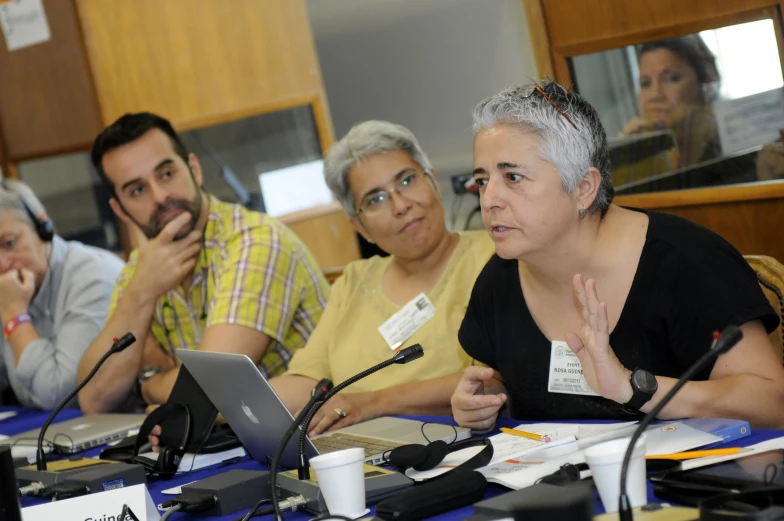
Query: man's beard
[155, 226]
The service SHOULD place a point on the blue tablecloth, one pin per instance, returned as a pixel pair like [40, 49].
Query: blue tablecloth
[28, 419]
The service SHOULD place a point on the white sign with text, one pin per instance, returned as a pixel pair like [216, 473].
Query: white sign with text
[104, 506]
[749, 121]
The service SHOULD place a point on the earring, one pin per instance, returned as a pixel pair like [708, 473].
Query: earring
[583, 212]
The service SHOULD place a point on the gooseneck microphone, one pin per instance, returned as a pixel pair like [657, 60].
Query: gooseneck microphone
[725, 341]
[403, 356]
[319, 398]
[117, 346]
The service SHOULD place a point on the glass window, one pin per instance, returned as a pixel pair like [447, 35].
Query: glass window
[250, 147]
[74, 197]
[698, 110]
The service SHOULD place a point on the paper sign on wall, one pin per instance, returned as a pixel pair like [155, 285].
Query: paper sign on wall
[23, 23]
[95, 507]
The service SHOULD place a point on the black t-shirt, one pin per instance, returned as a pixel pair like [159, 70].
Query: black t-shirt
[689, 283]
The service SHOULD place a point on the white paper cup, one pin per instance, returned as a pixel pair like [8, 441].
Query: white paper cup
[605, 460]
[341, 478]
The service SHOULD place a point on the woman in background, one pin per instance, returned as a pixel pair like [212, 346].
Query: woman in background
[387, 187]
[678, 82]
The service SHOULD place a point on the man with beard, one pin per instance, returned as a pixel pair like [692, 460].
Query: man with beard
[207, 275]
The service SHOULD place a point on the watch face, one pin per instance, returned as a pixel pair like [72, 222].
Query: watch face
[645, 381]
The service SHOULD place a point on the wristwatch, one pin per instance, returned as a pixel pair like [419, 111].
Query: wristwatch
[644, 386]
[148, 372]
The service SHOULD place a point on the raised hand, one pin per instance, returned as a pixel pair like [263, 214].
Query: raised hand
[601, 368]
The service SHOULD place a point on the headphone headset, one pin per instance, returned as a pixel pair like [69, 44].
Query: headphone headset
[427, 457]
[43, 227]
[169, 457]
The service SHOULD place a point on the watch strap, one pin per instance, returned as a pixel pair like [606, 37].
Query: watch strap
[639, 397]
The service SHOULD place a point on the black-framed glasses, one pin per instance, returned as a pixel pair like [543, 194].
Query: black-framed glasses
[530, 89]
[409, 181]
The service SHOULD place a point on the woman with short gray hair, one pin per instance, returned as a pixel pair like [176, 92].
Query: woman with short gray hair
[53, 300]
[590, 310]
[386, 184]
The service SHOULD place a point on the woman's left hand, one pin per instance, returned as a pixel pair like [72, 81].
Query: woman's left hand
[343, 410]
[601, 368]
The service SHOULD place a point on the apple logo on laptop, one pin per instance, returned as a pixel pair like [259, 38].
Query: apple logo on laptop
[249, 413]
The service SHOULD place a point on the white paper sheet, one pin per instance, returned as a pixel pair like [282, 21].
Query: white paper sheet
[23, 23]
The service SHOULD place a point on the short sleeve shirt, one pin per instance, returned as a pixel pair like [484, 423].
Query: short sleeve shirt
[689, 283]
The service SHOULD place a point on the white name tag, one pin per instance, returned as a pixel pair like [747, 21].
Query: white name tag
[97, 507]
[566, 372]
[405, 322]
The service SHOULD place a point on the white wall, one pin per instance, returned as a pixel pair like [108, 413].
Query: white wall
[424, 64]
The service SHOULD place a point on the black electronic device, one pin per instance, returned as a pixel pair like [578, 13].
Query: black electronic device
[541, 502]
[427, 457]
[723, 342]
[380, 483]
[117, 346]
[644, 386]
[235, 490]
[9, 501]
[755, 470]
[169, 456]
[57, 471]
[319, 396]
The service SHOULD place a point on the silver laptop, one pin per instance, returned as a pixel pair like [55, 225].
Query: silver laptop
[250, 406]
[82, 433]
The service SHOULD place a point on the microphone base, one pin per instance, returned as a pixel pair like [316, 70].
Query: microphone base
[57, 471]
[379, 484]
[656, 512]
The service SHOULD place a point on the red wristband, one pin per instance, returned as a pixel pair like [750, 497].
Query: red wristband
[18, 320]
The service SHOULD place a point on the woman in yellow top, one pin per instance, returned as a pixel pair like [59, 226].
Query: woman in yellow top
[385, 183]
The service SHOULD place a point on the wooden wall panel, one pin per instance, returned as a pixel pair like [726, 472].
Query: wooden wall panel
[327, 232]
[753, 227]
[571, 23]
[47, 102]
[200, 62]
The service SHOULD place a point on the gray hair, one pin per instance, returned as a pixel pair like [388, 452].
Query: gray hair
[13, 196]
[571, 150]
[364, 140]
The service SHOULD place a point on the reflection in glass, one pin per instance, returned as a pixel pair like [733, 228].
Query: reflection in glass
[690, 111]
[74, 197]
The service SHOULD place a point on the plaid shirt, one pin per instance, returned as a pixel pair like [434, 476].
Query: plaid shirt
[252, 271]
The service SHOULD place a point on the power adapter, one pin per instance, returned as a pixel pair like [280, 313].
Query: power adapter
[235, 490]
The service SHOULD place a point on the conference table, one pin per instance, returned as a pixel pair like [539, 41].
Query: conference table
[28, 419]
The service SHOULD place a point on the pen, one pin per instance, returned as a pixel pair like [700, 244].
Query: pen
[530, 435]
[700, 453]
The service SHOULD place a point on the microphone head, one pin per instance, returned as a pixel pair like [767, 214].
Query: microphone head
[123, 342]
[408, 354]
[730, 336]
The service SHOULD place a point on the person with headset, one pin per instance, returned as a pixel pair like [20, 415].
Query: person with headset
[53, 299]
[206, 275]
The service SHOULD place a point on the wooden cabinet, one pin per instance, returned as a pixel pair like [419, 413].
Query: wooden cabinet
[196, 62]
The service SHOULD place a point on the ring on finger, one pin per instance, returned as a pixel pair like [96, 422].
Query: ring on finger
[341, 412]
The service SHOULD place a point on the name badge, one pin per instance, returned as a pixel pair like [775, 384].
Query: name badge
[405, 322]
[566, 372]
